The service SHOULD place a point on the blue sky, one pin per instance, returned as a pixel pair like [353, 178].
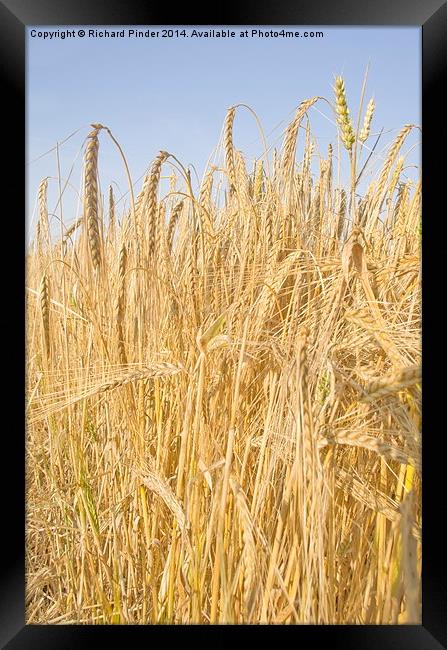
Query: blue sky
[173, 93]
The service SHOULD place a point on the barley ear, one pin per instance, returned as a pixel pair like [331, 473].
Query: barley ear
[229, 148]
[45, 311]
[43, 228]
[121, 304]
[91, 197]
[342, 111]
[112, 222]
[259, 178]
[365, 130]
[152, 190]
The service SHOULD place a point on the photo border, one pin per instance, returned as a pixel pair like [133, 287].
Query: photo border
[15, 16]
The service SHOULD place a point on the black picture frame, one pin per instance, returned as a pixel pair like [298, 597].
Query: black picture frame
[15, 16]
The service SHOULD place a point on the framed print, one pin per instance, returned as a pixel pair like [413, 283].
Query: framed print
[223, 342]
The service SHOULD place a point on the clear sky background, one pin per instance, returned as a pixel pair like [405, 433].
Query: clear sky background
[173, 94]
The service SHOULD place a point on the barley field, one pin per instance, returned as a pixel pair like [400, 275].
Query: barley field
[223, 389]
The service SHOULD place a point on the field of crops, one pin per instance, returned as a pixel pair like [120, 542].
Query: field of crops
[223, 390]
